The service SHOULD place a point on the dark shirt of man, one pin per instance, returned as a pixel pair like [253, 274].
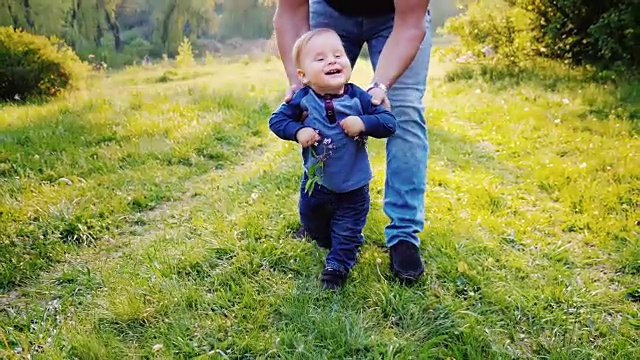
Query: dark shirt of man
[364, 8]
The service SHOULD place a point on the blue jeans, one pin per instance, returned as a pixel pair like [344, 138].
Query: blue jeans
[408, 149]
[335, 221]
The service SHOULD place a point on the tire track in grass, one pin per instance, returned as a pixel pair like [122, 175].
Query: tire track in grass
[145, 223]
[510, 246]
[118, 155]
[223, 276]
[171, 241]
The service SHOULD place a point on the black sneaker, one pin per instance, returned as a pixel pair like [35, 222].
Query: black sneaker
[332, 279]
[406, 263]
[302, 233]
[325, 244]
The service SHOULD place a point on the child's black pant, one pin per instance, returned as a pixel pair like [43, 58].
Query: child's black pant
[335, 221]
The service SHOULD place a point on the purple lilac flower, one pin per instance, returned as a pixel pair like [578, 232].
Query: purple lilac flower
[328, 146]
[322, 157]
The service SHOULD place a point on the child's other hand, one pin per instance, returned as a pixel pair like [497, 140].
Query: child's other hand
[307, 137]
[352, 125]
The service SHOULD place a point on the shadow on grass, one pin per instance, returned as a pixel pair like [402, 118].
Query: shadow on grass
[607, 94]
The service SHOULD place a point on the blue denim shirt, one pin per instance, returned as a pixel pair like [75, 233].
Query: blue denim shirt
[346, 166]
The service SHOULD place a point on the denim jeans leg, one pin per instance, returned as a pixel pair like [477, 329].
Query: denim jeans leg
[349, 219]
[407, 150]
[322, 15]
[315, 213]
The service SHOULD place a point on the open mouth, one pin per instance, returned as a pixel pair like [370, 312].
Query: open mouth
[333, 72]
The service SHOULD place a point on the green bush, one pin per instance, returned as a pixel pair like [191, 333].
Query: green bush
[33, 66]
[496, 24]
[587, 31]
[577, 31]
[185, 54]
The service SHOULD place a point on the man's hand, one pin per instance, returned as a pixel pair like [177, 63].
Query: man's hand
[289, 95]
[307, 137]
[379, 97]
[291, 90]
[352, 125]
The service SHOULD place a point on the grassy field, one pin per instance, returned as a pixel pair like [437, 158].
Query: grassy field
[151, 216]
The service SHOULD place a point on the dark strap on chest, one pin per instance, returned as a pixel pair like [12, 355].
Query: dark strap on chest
[329, 109]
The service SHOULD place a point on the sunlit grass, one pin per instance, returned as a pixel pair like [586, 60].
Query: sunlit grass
[188, 203]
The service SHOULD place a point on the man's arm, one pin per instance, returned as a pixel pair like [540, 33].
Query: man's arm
[404, 42]
[290, 21]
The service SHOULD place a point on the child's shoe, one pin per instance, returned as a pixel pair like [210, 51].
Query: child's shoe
[323, 243]
[332, 279]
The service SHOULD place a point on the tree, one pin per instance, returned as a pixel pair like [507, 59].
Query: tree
[247, 18]
[108, 9]
[43, 17]
[145, 26]
[174, 18]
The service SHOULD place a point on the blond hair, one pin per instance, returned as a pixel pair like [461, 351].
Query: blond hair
[304, 39]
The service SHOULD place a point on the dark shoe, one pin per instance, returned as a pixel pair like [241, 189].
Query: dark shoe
[332, 279]
[325, 244]
[302, 233]
[406, 263]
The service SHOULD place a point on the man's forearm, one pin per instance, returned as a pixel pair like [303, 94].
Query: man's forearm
[408, 32]
[396, 56]
[291, 20]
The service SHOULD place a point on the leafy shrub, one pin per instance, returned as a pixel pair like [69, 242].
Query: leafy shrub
[577, 31]
[587, 31]
[36, 66]
[185, 53]
[139, 48]
[441, 11]
[496, 24]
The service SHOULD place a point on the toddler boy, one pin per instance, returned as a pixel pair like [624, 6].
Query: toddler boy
[340, 116]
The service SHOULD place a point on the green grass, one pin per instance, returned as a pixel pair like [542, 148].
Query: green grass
[77, 171]
[174, 238]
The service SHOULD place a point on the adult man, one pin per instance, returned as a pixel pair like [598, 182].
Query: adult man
[398, 39]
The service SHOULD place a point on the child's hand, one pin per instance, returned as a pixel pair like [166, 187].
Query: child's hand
[352, 125]
[307, 137]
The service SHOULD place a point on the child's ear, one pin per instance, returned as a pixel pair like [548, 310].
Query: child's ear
[302, 77]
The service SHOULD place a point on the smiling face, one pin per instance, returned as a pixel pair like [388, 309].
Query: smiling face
[322, 62]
